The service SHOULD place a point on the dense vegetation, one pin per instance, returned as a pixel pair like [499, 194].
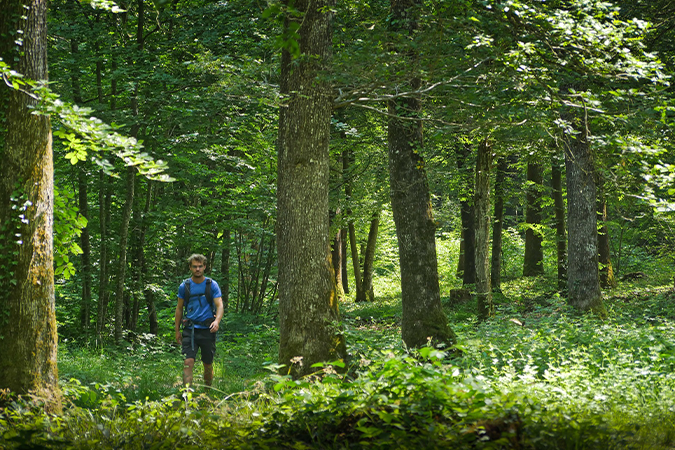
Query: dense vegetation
[435, 224]
[538, 375]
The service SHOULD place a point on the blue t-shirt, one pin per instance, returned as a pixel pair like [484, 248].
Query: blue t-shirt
[198, 307]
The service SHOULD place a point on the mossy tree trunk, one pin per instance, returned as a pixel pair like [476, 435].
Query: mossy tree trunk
[423, 316]
[308, 307]
[482, 208]
[583, 283]
[27, 308]
[533, 262]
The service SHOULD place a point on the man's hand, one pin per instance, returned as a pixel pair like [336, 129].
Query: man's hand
[214, 326]
[179, 337]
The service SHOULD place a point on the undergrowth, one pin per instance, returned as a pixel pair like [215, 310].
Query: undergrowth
[536, 376]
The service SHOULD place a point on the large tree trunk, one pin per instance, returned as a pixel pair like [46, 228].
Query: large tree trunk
[369, 259]
[533, 262]
[85, 303]
[560, 232]
[497, 226]
[308, 306]
[28, 350]
[423, 315]
[482, 208]
[466, 266]
[583, 285]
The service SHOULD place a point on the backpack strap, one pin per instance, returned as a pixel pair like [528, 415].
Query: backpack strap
[208, 293]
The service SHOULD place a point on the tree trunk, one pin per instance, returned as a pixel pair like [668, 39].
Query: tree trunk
[583, 285]
[423, 316]
[308, 307]
[468, 244]
[344, 271]
[104, 200]
[560, 233]
[336, 256]
[607, 279]
[28, 353]
[144, 275]
[122, 261]
[85, 304]
[533, 262]
[347, 157]
[369, 259]
[482, 208]
[225, 268]
[497, 226]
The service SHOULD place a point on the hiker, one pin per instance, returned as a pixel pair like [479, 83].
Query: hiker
[199, 310]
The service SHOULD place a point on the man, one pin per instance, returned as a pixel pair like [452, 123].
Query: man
[200, 325]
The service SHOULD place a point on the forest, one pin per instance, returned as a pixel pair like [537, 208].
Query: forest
[433, 223]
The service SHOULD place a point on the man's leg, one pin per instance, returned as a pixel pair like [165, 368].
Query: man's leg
[188, 366]
[208, 374]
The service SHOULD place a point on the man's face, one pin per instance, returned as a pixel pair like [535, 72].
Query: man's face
[197, 269]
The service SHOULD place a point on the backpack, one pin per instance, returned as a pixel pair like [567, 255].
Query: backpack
[207, 293]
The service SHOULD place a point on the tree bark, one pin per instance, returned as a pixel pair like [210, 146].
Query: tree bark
[560, 232]
[369, 259]
[336, 256]
[482, 208]
[104, 200]
[85, 303]
[308, 307]
[583, 285]
[497, 226]
[533, 262]
[225, 268]
[467, 261]
[607, 279]
[423, 316]
[28, 354]
[347, 157]
[345, 272]
[122, 261]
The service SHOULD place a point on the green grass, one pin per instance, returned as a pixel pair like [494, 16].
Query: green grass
[536, 376]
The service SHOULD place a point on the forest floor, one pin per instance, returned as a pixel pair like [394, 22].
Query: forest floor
[536, 376]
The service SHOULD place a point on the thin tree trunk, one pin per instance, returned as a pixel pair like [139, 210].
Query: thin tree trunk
[497, 226]
[308, 306]
[336, 257]
[225, 268]
[28, 354]
[533, 262]
[145, 277]
[607, 279]
[560, 232]
[482, 208]
[122, 261]
[353, 244]
[583, 284]
[345, 272]
[468, 244]
[369, 259]
[104, 201]
[423, 316]
[85, 304]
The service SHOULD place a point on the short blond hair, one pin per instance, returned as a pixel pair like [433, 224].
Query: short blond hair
[196, 257]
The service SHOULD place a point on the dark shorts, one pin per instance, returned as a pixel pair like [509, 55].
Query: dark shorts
[204, 340]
